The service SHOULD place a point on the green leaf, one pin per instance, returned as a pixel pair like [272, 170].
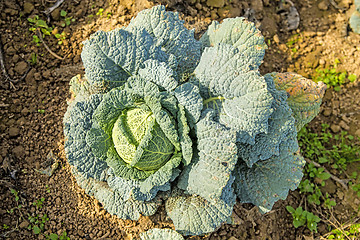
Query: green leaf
[324, 175]
[290, 209]
[63, 13]
[53, 236]
[36, 230]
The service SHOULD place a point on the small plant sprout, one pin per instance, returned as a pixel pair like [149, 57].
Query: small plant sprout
[302, 217]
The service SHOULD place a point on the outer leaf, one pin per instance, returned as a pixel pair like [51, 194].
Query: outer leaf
[185, 140]
[131, 188]
[171, 35]
[113, 201]
[269, 180]
[281, 124]
[159, 73]
[99, 141]
[304, 95]
[227, 74]
[160, 234]
[111, 57]
[77, 122]
[239, 33]
[209, 174]
[355, 21]
[189, 96]
[193, 215]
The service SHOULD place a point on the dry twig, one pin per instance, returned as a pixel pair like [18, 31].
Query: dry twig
[342, 182]
[53, 7]
[46, 46]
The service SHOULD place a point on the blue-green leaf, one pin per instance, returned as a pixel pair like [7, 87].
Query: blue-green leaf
[171, 35]
[269, 180]
[161, 234]
[110, 58]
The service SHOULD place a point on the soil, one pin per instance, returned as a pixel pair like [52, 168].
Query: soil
[31, 110]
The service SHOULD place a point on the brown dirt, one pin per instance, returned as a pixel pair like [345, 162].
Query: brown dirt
[31, 112]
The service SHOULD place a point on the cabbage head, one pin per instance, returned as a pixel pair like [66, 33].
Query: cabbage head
[162, 118]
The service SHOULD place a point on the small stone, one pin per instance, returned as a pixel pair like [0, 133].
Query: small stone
[58, 201]
[198, 6]
[21, 67]
[235, 12]
[335, 128]
[322, 62]
[257, 5]
[56, 14]
[276, 38]
[323, 5]
[344, 126]
[327, 112]
[215, 3]
[223, 12]
[357, 133]
[24, 224]
[268, 25]
[213, 15]
[47, 74]
[10, 51]
[28, 7]
[14, 131]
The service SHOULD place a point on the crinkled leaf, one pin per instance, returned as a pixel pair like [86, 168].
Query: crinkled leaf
[185, 140]
[209, 174]
[161, 234]
[111, 107]
[193, 215]
[270, 180]
[77, 123]
[158, 73]
[225, 73]
[171, 35]
[305, 96]
[163, 118]
[239, 33]
[124, 170]
[113, 201]
[163, 175]
[99, 141]
[111, 57]
[189, 96]
[281, 123]
[131, 188]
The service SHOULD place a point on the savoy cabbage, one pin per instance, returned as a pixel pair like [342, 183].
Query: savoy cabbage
[161, 117]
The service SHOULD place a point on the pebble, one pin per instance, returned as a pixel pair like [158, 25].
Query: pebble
[47, 74]
[10, 51]
[357, 133]
[215, 3]
[257, 5]
[58, 201]
[14, 131]
[24, 224]
[28, 7]
[335, 128]
[21, 67]
[323, 5]
[327, 112]
[276, 38]
[19, 151]
[344, 126]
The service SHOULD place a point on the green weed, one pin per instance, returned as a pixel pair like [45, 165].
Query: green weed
[37, 223]
[54, 236]
[302, 217]
[332, 77]
[39, 203]
[351, 232]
